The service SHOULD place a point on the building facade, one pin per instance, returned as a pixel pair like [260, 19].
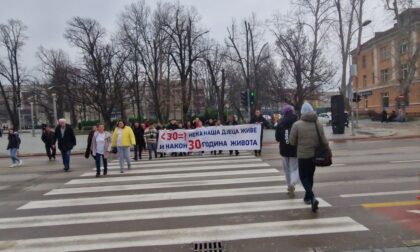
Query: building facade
[382, 63]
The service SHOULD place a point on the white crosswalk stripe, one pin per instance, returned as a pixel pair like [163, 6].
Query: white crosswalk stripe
[192, 159]
[206, 187]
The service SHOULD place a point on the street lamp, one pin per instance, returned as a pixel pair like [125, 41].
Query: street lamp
[352, 74]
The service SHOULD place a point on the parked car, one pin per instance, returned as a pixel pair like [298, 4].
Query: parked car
[325, 118]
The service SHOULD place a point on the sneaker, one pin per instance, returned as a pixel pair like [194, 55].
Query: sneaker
[105, 172]
[121, 171]
[20, 162]
[11, 166]
[307, 202]
[98, 175]
[291, 191]
[315, 204]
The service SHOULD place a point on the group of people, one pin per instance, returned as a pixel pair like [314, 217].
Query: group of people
[392, 117]
[298, 139]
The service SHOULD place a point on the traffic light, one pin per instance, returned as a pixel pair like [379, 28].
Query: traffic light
[244, 99]
[356, 97]
[252, 98]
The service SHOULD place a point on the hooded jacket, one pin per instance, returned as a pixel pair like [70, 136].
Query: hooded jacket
[283, 134]
[305, 137]
[14, 141]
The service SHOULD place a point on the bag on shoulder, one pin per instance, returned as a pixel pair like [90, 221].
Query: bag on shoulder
[323, 155]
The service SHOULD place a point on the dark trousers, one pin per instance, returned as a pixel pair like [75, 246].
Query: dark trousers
[138, 148]
[51, 151]
[152, 149]
[66, 159]
[98, 163]
[306, 175]
[258, 152]
[236, 152]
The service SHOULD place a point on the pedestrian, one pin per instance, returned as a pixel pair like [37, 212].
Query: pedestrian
[173, 125]
[13, 147]
[101, 147]
[66, 140]
[140, 145]
[159, 127]
[150, 136]
[218, 123]
[231, 122]
[122, 139]
[1, 132]
[304, 135]
[88, 151]
[48, 138]
[288, 151]
[259, 119]
[384, 116]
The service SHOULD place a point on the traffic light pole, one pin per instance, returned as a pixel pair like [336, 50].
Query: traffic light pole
[248, 97]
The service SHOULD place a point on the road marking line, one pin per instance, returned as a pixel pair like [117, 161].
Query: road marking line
[150, 165]
[77, 190]
[391, 204]
[378, 193]
[404, 161]
[186, 235]
[155, 213]
[414, 211]
[186, 169]
[333, 165]
[155, 197]
[170, 176]
[176, 160]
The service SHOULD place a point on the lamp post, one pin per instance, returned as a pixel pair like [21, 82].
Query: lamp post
[32, 119]
[55, 107]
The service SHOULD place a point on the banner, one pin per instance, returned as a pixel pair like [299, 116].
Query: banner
[238, 137]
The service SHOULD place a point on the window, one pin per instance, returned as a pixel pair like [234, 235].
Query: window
[364, 61]
[384, 75]
[384, 53]
[404, 71]
[403, 47]
[364, 81]
[385, 100]
[366, 103]
[373, 78]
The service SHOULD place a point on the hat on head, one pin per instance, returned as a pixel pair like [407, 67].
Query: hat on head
[288, 109]
[306, 108]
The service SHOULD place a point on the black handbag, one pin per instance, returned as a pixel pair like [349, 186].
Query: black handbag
[323, 155]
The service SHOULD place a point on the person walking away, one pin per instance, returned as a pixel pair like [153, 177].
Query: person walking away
[305, 137]
[48, 138]
[66, 140]
[230, 122]
[150, 136]
[140, 144]
[123, 138]
[101, 147]
[259, 119]
[288, 151]
[384, 116]
[159, 128]
[13, 147]
[88, 151]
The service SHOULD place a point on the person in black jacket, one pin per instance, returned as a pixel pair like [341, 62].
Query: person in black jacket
[259, 119]
[230, 122]
[13, 147]
[287, 151]
[88, 151]
[48, 138]
[138, 130]
[66, 140]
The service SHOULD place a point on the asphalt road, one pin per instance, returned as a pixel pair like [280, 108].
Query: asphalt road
[368, 200]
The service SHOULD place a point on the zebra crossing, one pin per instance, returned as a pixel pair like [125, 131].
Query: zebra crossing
[153, 203]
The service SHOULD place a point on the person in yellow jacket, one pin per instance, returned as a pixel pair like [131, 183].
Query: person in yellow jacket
[123, 138]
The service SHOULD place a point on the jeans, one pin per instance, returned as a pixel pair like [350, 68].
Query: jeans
[13, 155]
[50, 151]
[66, 159]
[152, 149]
[306, 174]
[138, 148]
[291, 170]
[98, 163]
[124, 155]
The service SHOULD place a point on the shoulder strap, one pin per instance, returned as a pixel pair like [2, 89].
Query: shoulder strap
[317, 132]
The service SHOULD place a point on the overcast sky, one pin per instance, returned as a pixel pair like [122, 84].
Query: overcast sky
[46, 19]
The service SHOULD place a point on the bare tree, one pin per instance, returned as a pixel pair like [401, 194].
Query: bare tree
[249, 52]
[100, 71]
[12, 38]
[407, 52]
[186, 39]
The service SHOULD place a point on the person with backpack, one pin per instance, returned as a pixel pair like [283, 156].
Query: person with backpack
[288, 151]
[48, 138]
[13, 147]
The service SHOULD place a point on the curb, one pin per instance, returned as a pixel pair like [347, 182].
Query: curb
[42, 154]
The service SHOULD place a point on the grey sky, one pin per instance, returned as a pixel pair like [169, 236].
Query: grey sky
[46, 19]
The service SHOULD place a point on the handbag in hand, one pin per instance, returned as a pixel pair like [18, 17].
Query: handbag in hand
[323, 155]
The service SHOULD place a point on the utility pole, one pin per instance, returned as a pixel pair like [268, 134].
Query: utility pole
[55, 108]
[248, 92]
[32, 119]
